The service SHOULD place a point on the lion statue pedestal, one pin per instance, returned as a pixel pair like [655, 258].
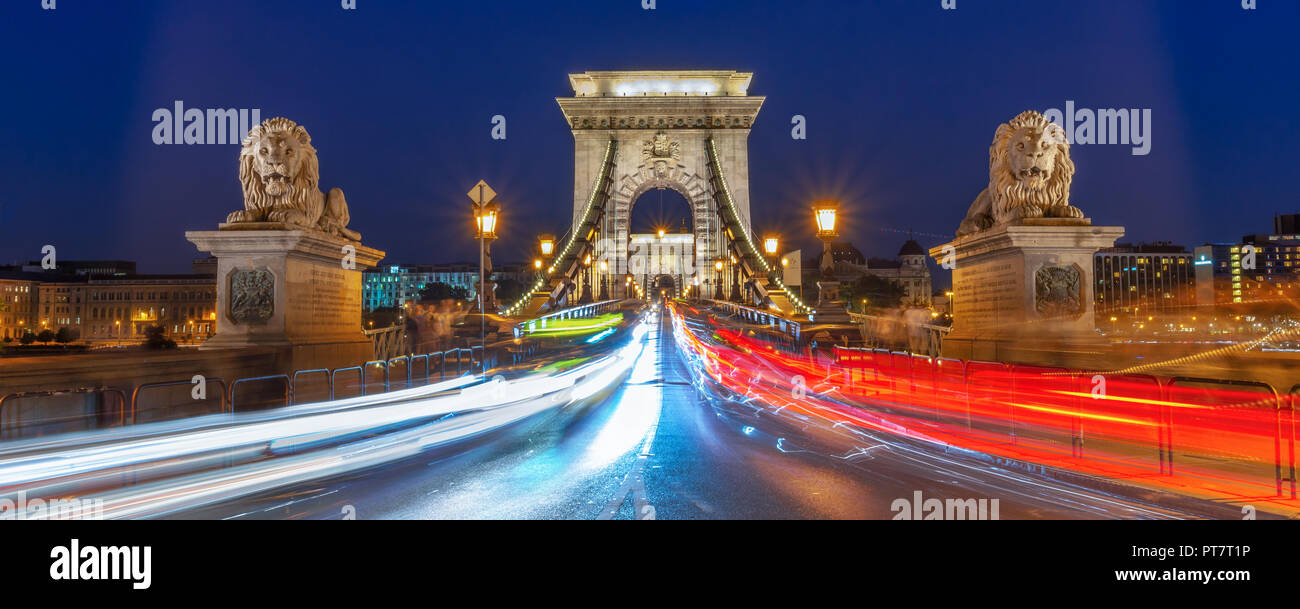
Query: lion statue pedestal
[1024, 292]
[288, 268]
[1022, 261]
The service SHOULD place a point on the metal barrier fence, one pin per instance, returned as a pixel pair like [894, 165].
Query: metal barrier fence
[191, 384]
[401, 372]
[96, 399]
[290, 389]
[1135, 421]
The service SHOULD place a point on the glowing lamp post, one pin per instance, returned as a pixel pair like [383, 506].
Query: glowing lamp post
[824, 213]
[771, 248]
[604, 280]
[829, 308]
[587, 296]
[486, 221]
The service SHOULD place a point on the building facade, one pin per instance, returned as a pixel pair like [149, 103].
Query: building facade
[1261, 272]
[909, 270]
[120, 308]
[1144, 285]
[18, 298]
[392, 286]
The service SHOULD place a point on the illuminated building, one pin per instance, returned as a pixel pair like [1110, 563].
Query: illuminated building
[392, 286]
[1139, 283]
[1261, 272]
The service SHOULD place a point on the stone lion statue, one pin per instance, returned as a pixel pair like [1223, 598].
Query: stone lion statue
[280, 175]
[1029, 175]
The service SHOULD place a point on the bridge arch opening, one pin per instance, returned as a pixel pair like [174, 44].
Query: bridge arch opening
[661, 207]
[660, 237]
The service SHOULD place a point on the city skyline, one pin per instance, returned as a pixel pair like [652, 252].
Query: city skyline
[88, 177]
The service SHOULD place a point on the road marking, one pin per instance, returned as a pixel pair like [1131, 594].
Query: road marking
[633, 482]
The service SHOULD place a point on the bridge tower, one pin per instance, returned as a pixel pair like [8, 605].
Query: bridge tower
[661, 124]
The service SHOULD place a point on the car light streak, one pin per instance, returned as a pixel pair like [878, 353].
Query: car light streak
[260, 451]
[1218, 442]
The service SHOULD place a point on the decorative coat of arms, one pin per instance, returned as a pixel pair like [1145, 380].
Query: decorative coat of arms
[1057, 291]
[658, 152]
[252, 296]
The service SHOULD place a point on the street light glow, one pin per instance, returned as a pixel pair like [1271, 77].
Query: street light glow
[824, 213]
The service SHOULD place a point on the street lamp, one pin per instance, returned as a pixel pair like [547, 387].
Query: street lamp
[824, 213]
[487, 219]
[770, 244]
[587, 295]
[604, 280]
[828, 305]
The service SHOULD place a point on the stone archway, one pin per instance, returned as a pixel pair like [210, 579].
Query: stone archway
[662, 123]
[628, 191]
[668, 285]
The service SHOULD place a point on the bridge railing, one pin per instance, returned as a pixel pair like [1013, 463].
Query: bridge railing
[781, 326]
[897, 333]
[388, 342]
[586, 311]
[88, 408]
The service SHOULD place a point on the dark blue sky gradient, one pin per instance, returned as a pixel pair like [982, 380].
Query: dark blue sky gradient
[901, 99]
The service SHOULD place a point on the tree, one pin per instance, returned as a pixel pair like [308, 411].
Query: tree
[27, 338]
[155, 338]
[64, 335]
[438, 291]
[45, 336]
[382, 317]
[880, 293]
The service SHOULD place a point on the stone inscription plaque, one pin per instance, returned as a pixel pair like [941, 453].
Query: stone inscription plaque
[987, 295]
[333, 306]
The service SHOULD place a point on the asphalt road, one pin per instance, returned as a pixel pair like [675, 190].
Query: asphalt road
[661, 446]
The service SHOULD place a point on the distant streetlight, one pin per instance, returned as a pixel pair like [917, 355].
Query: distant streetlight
[661, 233]
[546, 244]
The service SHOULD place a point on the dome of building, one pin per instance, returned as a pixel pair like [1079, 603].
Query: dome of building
[911, 248]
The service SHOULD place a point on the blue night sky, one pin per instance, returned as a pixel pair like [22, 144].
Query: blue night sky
[901, 98]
